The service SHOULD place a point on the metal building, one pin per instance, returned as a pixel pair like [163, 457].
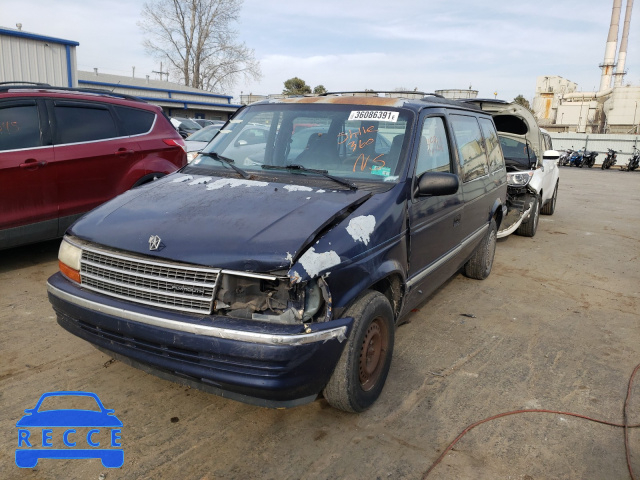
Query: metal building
[28, 57]
[175, 99]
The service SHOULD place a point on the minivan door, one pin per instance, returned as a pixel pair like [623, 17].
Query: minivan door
[434, 221]
[476, 181]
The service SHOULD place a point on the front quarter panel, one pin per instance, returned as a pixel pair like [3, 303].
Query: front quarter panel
[367, 246]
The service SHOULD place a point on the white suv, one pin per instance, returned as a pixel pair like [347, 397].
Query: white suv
[531, 162]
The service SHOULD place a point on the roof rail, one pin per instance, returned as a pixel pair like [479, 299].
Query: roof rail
[18, 84]
[5, 86]
[364, 92]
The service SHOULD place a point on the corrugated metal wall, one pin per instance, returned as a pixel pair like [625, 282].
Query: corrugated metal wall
[30, 60]
[600, 143]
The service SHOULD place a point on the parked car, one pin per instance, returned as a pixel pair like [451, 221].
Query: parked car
[249, 145]
[65, 151]
[185, 126]
[198, 140]
[203, 122]
[285, 277]
[532, 166]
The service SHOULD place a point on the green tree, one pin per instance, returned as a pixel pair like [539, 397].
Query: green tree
[520, 100]
[296, 86]
[319, 90]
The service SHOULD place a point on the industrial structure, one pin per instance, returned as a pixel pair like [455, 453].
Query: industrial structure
[29, 57]
[614, 108]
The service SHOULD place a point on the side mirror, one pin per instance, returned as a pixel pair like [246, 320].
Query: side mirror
[551, 155]
[437, 184]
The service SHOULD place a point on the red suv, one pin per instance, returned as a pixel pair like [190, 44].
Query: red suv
[64, 151]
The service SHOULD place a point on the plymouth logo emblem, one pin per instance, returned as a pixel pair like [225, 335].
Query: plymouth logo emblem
[155, 242]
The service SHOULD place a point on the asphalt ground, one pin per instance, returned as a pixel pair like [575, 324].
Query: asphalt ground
[556, 326]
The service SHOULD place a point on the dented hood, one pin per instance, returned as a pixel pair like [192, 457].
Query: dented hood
[220, 222]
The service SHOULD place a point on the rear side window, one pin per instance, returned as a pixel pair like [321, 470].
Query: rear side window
[493, 145]
[135, 121]
[19, 127]
[473, 159]
[433, 153]
[76, 124]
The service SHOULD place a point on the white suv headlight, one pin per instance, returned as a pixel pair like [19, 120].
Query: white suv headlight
[519, 179]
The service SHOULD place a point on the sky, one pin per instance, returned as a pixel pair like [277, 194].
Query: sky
[497, 47]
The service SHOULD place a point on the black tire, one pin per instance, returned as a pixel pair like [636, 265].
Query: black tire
[529, 228]
[359, 376]
[480, 263]
[604, 165]
[550, 206]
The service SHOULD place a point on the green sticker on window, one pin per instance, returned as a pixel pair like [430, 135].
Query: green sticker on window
[382, 171]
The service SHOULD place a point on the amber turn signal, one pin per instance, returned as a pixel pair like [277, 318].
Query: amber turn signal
[69, 272]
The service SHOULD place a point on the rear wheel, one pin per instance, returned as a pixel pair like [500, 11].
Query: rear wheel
[529, 228]
[362, 370]
[480, 263]
[550, 207]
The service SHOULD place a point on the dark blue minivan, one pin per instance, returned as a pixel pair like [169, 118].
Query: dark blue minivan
[276, 267]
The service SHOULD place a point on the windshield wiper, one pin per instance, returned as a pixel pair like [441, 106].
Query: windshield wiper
[228, 161]
[324, 173]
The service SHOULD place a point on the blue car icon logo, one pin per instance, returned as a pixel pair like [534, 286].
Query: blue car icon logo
[69, 433]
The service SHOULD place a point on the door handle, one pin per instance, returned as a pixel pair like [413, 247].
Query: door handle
[123, 152]
[32, 164]
[456, 220]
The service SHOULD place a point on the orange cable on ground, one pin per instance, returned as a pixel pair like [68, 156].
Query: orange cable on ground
[624, 425]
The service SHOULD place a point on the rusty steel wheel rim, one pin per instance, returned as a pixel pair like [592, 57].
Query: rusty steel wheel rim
[373, 354]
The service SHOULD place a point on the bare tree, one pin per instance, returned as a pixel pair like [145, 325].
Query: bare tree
[196, 38]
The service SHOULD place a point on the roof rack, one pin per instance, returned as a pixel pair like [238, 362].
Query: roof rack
[6, 86]
[364, 92]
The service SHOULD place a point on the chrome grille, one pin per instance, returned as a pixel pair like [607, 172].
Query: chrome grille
[175, 286]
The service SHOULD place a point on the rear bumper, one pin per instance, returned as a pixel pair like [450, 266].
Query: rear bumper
[254, 362]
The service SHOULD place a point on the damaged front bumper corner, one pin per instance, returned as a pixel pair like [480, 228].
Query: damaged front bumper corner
[519, 206]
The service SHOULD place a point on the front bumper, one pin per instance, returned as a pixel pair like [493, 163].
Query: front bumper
[254, 362]
[519, 203]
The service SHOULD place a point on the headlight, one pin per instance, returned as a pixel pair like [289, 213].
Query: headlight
[69, 260]
[269, 298]
[519, 179]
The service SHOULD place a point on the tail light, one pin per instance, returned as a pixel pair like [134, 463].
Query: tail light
[173, 142]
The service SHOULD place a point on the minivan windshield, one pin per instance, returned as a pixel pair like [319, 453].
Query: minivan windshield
[354, 142]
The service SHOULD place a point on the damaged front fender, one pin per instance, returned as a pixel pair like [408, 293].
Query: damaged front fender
[519, 205]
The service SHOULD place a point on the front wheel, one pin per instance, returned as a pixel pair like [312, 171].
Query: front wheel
[550, 207]
[529, 228]
[357, 381]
